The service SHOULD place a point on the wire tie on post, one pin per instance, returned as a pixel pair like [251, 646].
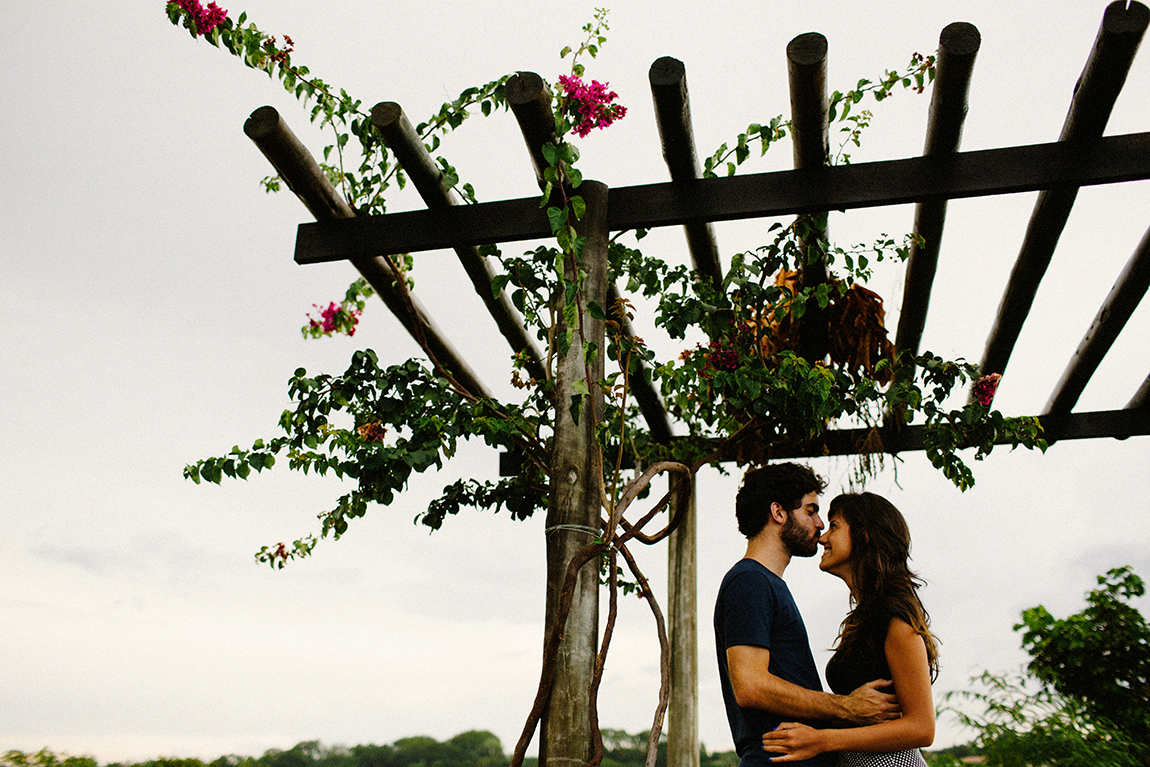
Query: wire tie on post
[592, 531]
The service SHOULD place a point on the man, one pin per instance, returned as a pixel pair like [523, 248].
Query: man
[766, 667]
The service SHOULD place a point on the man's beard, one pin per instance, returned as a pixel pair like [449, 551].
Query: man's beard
[799, 541]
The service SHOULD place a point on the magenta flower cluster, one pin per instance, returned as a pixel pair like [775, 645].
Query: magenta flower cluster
[206, 19]
[333, 319]
[590, 104]
[985, 388]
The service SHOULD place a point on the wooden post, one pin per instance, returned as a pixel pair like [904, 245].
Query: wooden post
[573, 510]
[807, 74]
[294, 163]
[1094, 95]
[668, 78]
[683, 612]
[957, 48]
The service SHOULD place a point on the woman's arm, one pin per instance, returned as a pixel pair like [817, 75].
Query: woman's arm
[906, 655]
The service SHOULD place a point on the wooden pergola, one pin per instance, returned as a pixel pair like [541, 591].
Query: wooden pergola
[1080, 157]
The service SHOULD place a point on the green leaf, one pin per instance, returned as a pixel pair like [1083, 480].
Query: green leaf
[576, 408]
[558, 218]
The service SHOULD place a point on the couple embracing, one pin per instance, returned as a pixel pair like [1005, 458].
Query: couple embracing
[880, 709]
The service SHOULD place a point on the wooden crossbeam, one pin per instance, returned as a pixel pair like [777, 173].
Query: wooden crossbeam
[1116, 424]
[530, 101]
[810, 144]
[864, 185]
[412, 154]
[668, 78]
[1112, 317]
[957, 48]
[294, 163]
[1121, 32]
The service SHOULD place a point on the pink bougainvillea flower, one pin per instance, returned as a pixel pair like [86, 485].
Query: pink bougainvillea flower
[210, 18]
[723, 357]
[334, 319]
[206, 19]
[590, 104]
[985, 388]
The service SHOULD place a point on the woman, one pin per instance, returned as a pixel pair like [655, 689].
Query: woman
[885, 636]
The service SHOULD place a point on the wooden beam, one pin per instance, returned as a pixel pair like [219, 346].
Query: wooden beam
[1115, 424]
[957, 48]
[810, 142]
[1112, 316]
[668, 78]
[1094, 95]
[1141, 398]
[410, 151]
[302, 174]
[1107, 160]
[530, 101]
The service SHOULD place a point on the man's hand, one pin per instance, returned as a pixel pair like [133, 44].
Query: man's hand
[868, 705]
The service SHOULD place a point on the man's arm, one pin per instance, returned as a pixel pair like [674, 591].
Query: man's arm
[755, 687]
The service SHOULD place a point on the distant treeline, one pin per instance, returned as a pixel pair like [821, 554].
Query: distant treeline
[476, 748]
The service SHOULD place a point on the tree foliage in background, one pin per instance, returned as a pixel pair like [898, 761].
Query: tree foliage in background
[475, 748]
[1084, 700]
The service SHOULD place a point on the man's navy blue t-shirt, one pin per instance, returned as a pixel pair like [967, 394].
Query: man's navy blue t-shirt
[756, 608]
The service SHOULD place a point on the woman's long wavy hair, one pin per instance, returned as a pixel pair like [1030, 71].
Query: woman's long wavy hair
[879, 560]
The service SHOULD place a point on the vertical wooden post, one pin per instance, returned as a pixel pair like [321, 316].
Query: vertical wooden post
[573, 512]
[682, 608]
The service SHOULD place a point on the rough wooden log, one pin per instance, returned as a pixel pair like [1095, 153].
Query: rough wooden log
[1112, 316]
[1141, 398]
[530, 101]
[668, 78]
[299, 170]
[573, 510]
[957, 48]
[982, 173]
[807, 75]
[683, 740]
[1096, 91]
[410, 151]
[1132, 421]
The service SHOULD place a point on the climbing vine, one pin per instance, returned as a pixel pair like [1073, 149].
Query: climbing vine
[744, 394]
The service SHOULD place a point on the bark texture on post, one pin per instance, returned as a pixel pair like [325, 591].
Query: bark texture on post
[807, 73]
[299, 170]
[573, 510]
[682, 608]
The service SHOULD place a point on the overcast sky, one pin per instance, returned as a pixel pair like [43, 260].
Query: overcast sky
[152, 313]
